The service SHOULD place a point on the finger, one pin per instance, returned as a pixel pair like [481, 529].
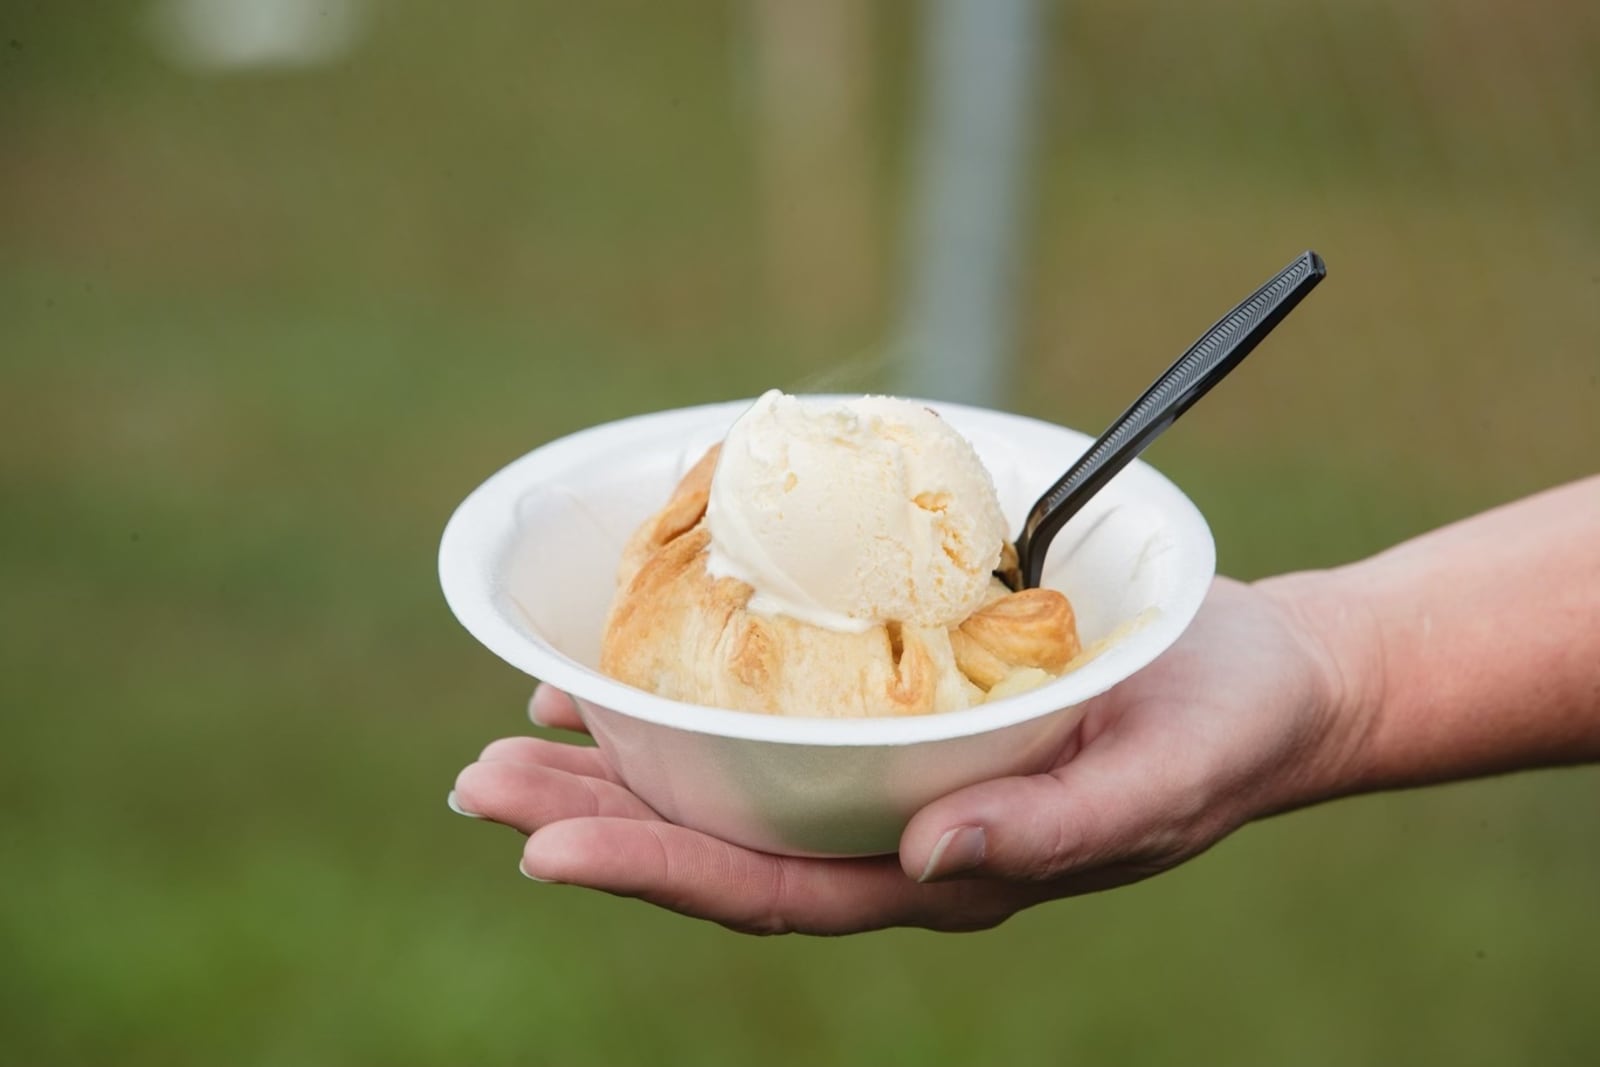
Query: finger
[552, 708]
[695, 874]
[558, 755]
[526, 797]
[1089, 825]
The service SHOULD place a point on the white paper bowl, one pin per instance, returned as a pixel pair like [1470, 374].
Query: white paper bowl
[527, 563]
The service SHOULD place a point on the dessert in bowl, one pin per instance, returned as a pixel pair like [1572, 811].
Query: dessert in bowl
[530, 560]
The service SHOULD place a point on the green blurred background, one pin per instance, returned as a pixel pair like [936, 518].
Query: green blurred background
[263, 324]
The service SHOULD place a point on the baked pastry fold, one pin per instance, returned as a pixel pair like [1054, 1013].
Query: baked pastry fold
[676, 631]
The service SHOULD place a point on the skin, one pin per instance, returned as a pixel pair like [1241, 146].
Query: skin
[1472, 650]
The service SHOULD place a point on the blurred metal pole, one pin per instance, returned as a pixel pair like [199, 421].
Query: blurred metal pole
[958, 334]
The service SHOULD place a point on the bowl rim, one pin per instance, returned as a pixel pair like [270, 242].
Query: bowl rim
[475, 537]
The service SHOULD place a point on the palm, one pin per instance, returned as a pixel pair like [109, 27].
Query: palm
[1223, 727]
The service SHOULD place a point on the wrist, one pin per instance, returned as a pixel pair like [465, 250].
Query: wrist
[1332, 619]
[1468, 651]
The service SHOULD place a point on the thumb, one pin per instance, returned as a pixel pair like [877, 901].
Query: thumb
[1084, 824]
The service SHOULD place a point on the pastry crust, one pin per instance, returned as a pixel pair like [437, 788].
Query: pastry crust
[676, 631]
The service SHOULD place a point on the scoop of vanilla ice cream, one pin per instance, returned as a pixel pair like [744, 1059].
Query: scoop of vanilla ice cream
[849, 514]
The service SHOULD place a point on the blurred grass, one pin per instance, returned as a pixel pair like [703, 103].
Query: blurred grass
[262, 332]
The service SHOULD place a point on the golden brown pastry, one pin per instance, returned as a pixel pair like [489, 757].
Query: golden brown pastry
[678, 632]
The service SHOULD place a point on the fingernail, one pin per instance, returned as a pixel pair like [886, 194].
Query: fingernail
[522, 868]
[533, 708]
[959, 850]
[455, 806]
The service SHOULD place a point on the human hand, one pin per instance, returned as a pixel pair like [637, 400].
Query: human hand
[1242, 717]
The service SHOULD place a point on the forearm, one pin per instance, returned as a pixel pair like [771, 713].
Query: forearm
[1471, 650]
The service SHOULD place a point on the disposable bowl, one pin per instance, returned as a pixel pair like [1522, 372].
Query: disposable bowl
[528, 563]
